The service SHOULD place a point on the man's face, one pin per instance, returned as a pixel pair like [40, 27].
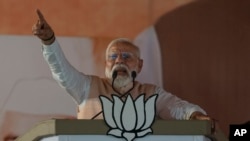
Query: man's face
[124, 60]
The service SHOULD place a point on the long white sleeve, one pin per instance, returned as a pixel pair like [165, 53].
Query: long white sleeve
[76, 83]
[170, 106]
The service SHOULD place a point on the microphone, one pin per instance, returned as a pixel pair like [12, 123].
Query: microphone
[114, 75]
[133, 75]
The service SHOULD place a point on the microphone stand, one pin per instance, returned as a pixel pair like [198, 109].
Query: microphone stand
[114, 77]
[133, 74]
[127, 92]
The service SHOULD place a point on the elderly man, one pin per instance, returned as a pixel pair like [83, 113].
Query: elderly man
[123, 62]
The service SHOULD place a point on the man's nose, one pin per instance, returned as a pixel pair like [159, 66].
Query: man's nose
[119, 59]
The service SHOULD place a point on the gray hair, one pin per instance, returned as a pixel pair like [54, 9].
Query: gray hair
[123, 41]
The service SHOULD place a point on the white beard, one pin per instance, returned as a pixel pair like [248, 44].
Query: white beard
[120, 81]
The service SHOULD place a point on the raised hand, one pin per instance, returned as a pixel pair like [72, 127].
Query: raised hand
[42, 29]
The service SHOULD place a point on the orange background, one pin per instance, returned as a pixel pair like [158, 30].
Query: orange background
[91, 18]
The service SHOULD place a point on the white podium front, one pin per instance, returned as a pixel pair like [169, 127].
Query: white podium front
[96, 130]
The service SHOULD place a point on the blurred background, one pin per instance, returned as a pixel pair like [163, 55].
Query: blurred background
[202, 48]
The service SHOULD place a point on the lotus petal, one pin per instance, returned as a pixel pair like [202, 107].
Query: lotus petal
[140, 110]
[150, 111]
[117, 109]
[107, 111]
[129, 114]
[115, 132]
[144, 132]
[129, 136]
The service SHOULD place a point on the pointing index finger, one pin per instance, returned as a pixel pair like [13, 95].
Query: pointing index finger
[40, 15]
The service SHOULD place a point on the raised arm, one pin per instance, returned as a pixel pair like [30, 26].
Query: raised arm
[76, 83]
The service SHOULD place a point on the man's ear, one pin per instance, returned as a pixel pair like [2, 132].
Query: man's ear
[106, 63]
[140, 64]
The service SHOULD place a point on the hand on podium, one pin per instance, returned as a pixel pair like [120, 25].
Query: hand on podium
[201, 116]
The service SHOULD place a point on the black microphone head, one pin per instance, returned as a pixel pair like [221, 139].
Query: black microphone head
[114, 75]
[133, 74]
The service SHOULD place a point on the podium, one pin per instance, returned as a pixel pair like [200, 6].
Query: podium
[96, 130]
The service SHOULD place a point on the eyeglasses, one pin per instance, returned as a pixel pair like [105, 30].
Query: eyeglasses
[124, 55]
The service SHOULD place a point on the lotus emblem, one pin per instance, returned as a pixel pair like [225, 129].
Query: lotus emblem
[129, 119]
